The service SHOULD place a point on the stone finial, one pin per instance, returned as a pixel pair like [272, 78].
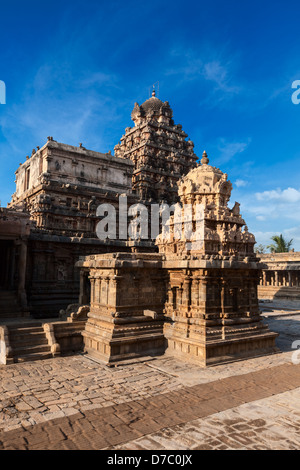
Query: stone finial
[204, 159]
[153, 92]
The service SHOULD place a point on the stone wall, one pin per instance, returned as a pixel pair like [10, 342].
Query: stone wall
[67, 164]
[14, 233]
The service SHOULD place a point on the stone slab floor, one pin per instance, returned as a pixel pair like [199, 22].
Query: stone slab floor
[163, 403]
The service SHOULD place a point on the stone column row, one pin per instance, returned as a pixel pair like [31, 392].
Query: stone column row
[280, 278]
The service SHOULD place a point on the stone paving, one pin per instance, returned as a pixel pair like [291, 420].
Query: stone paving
[269, 424]
[124, 424]
[43, 390]
[59, 401]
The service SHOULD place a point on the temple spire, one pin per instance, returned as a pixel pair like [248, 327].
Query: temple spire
[204, 159]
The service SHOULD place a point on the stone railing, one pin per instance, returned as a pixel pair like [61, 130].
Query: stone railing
[5, 349]
[50, 335]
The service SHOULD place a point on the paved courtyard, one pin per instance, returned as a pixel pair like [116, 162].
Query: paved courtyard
[163, 403]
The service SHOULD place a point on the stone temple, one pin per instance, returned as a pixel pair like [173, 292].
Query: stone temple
[64, 290]
[196, 299]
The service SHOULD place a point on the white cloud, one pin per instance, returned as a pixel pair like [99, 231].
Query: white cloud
[208, 64]
[240, 183]
[264, 238]
[276, 204]
[289, 195]
[219, 74]
[273, 212]
[228, 150]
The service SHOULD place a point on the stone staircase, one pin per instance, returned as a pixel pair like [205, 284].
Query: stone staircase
[9, 306]
[28, 342]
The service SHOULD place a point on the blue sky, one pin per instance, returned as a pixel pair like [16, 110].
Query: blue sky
[74, 70]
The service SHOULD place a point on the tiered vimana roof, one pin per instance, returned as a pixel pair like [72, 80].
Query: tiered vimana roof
[220, 229]
[159, 150]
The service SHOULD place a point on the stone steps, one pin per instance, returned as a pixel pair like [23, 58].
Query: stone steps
[30, 350]
[20, 340]
[28, 342]
[34, 357]
[27, 328]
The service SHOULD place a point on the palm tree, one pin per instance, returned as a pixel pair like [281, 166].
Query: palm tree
[260, 249]
[281, 245]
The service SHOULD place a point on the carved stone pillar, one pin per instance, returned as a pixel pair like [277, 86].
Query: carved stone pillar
[92, 292]
[203, 295]
[112, 293]
[186, 294]
[223, 299]
[106, 290]
[97, 291]
[174, 297]
[195, 292]
[180, 295]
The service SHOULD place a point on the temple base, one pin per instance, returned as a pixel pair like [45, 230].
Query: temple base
[210, 352]
[112, 343]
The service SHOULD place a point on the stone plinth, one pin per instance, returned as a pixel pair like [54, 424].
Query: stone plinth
[212, 313]
[126, 312]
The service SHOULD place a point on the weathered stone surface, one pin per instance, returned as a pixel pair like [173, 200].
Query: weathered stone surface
[158, 149]
[127, 298]
[241, 411]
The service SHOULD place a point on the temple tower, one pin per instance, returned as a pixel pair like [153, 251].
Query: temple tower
[159, 150]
